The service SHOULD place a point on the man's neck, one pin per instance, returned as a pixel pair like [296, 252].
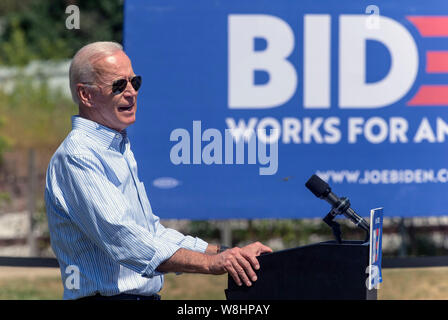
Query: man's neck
[87, 115]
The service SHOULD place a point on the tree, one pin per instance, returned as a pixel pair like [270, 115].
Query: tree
[36, 29]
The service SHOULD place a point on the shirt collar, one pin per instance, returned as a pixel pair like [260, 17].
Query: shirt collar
[105, 136]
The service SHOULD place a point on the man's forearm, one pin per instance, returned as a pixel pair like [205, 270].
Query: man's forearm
[184, 260]
[211, 249]
[240, 263]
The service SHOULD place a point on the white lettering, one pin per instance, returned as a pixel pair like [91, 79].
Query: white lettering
[369, 133]
[354, 92]
[424, 132]
[72, 281]
[73, 20]
[244, 60]
[316, 64]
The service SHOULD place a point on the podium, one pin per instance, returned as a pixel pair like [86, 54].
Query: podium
[322, 271]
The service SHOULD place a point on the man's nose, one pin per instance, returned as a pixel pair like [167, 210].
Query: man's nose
[129, 91]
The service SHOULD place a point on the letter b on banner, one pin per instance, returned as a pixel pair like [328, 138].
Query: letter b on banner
[244, 61]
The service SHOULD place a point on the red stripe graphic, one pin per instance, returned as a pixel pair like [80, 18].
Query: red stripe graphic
[430, 95]
[437, 62]
[430, 26]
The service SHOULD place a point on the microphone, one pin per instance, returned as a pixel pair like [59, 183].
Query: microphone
[322, 190]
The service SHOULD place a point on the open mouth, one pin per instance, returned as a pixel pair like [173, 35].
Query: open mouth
[128, 108]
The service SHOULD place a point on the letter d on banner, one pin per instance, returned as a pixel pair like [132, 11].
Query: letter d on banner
[244, 60]
[354, 92]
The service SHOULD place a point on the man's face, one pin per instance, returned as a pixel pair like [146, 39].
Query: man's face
[116, 111]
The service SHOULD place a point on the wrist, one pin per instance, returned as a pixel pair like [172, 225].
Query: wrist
[220, 248]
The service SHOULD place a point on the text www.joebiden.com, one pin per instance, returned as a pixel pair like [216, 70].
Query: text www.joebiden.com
[385, 176]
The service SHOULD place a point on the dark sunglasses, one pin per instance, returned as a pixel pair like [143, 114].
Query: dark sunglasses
[118, 86]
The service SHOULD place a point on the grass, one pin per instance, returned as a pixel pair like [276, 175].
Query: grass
[194, 287]
[18, 283]
[45, 288]
[398, 284]
[414, 284]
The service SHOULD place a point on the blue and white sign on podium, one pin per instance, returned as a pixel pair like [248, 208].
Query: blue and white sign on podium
[376, 234]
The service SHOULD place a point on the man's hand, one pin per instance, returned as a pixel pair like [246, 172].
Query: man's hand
[239, 262]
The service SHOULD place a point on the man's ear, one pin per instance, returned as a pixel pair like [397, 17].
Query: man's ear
[84, 95]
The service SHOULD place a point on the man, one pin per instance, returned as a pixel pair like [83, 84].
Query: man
[100, 220]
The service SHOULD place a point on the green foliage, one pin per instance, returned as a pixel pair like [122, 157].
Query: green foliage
[4, 198]
[204, 229]
[292, 232]
[35, 115]
[3, 141]
[15, 51]
[36, 29]
[3, 147]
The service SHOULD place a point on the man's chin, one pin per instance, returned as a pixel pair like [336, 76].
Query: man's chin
[129, 121]
[124, 122]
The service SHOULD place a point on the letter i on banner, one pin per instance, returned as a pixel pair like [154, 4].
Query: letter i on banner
[376, 233]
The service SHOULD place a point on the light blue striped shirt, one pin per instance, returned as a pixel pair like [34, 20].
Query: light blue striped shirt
[100, 219]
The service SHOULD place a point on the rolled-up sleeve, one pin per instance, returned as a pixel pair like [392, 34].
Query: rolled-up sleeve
[186, 242]
[105, 216]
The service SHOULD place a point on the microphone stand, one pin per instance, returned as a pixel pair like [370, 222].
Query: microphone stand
[340, 208]
[329, 219]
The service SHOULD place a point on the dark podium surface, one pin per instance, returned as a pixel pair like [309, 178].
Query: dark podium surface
[326, 270]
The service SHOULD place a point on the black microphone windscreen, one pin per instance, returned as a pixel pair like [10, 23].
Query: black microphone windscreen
[318, 186]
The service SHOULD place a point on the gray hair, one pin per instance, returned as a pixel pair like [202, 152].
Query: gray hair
[81, 67]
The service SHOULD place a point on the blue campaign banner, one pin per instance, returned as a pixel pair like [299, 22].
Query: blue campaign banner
[242, 101]
[376, 247]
